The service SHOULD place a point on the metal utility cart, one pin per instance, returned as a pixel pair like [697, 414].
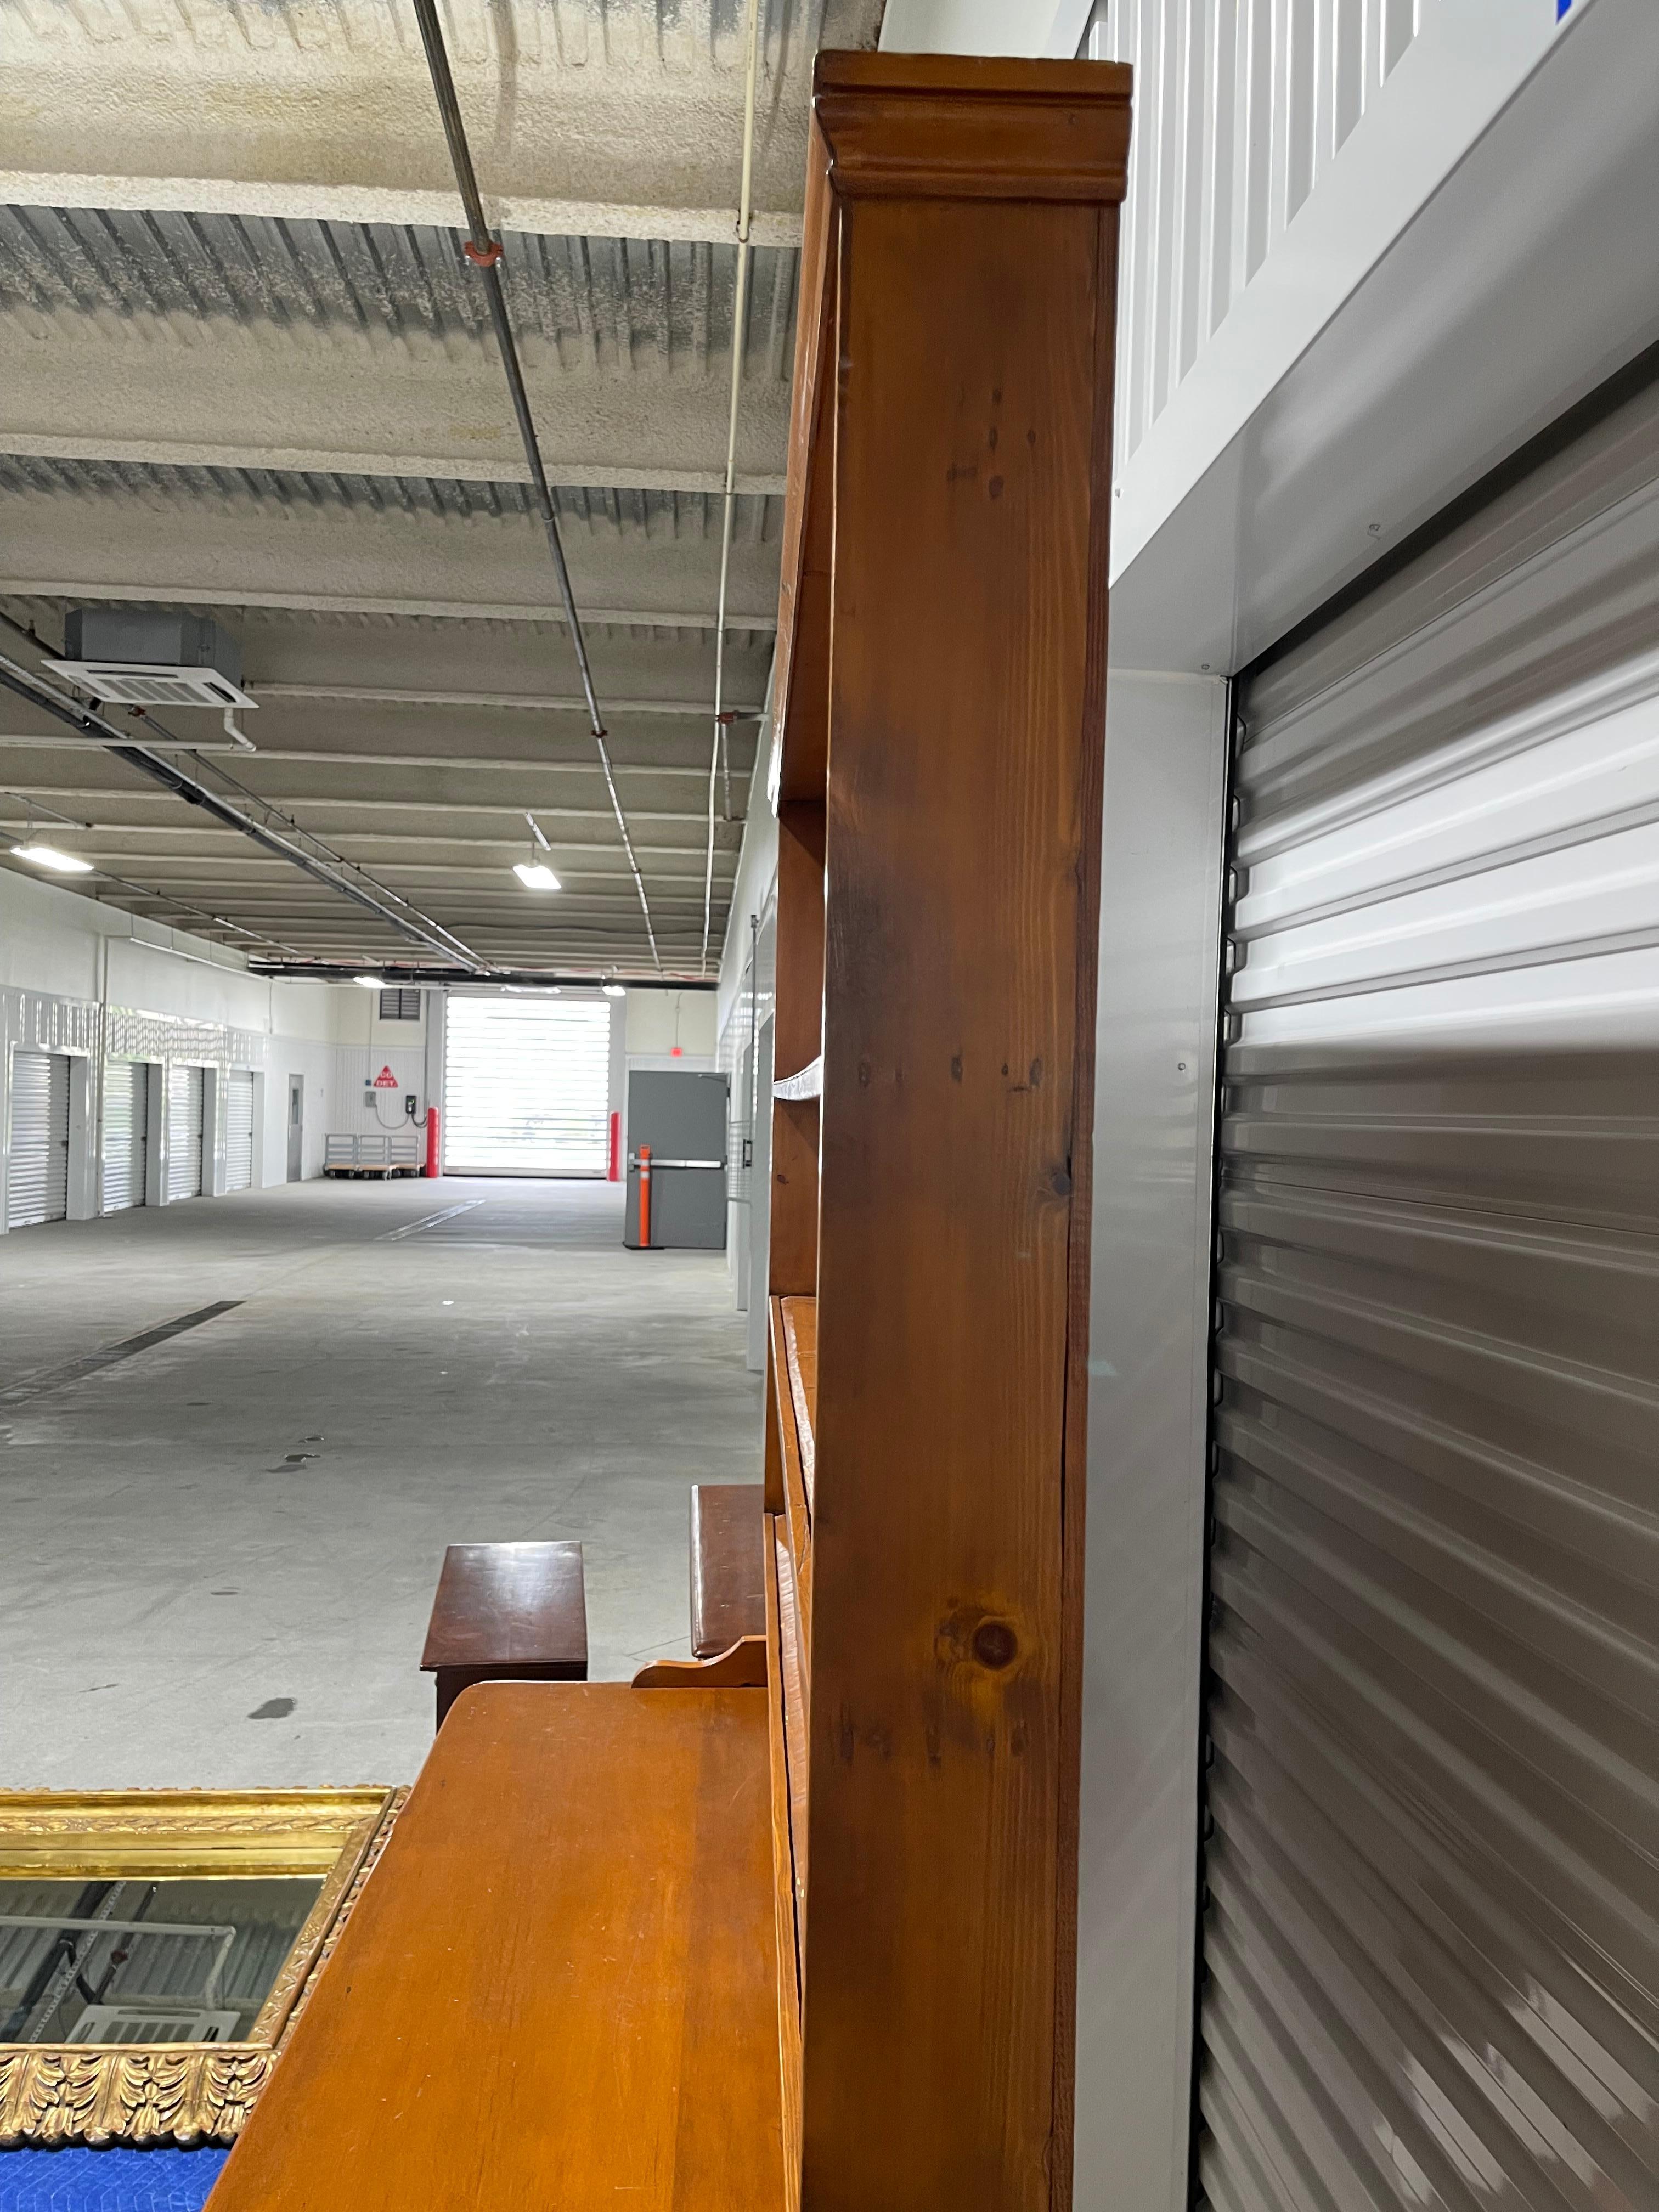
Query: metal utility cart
[393, 1152]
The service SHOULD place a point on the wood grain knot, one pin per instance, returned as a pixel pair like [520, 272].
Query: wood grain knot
[977, 1641]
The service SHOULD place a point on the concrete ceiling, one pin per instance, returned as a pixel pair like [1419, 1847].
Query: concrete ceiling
[245, 370]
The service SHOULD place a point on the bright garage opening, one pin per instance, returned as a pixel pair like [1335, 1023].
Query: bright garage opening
[526, 1086]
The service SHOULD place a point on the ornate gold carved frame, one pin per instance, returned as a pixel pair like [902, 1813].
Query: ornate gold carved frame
[183, 2092]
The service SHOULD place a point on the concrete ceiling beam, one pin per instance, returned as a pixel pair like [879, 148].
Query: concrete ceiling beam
[72, 392]
[554, 791]
[196, 590]
[544, 702]
[509, 905]
[639, 778]
[499, 826]
[21, 740]
[422, 653]
[91, 388]
[300, 200]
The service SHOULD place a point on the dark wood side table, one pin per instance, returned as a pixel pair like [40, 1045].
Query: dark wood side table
[507, 1613]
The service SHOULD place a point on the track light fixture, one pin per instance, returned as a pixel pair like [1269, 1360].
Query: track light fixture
[534, 873]
[48, 856]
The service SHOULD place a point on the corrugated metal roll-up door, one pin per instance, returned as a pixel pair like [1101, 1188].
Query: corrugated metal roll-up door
[185, 1092]
[37, 1166]
[526, 1086]
[1432, 1781]
[239, 1130]
[126, 1129]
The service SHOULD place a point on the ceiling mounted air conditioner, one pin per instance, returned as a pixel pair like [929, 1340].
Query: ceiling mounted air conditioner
[137, 683]
[151, 658]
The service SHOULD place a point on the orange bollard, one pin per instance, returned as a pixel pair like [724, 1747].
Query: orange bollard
[645, 1197]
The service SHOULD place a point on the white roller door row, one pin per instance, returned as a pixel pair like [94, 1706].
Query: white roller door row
[36, 1176]
[1431, 1817]
[527, 1087]
[238, 1131]
[126, 1133]
[37, 1164]
[185, 1094]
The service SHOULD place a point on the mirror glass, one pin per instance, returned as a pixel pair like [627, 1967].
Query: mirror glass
[170, 1961]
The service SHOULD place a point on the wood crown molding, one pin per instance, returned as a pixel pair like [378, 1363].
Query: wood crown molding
[962, 126]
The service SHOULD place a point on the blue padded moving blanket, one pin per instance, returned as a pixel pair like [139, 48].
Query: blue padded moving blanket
[115, 2180]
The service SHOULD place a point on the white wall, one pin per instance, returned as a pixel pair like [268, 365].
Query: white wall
[88, 980]
[743, 1013]
[670, 1029]
[1165, 786]
[366, 1047]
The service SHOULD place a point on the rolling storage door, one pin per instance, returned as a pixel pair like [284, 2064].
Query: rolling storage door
[184, 1098]
[1432, 1782]
[238, 1131]
[526, 1086]
[36, 1167]
[126, 1129]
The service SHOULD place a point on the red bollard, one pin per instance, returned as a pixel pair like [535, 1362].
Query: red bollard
[645, 1198]
[432, 1169]
[614, 1172]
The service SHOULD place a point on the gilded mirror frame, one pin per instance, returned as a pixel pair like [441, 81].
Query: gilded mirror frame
[183, 2093]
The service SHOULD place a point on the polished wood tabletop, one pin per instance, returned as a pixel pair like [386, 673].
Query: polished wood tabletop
[559, 1987]
[518, 1605]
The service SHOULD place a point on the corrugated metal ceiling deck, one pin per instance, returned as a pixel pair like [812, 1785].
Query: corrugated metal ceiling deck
[605, 304]
[254, 377]
[617, 511]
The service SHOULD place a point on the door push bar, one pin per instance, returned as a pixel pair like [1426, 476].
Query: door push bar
[644, 1161]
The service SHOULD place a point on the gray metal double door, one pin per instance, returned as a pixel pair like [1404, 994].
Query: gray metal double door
[682, 1118]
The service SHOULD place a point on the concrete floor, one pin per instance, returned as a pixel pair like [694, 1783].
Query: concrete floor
[183, 1600]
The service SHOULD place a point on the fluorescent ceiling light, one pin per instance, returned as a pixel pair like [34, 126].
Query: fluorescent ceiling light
[616, 990]
[536, 875]
[369, 982]
[48, 856]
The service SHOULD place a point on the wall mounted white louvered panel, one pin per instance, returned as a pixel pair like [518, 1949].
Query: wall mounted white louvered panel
[114, 2023]
[526, 1086]
[37, 1166]
[239, 1129]
[186, 1100]
[1240, 106]
[1432, 1712]
[126, 1131]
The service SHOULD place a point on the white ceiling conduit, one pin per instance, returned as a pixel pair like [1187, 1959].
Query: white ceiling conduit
[484, 250]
